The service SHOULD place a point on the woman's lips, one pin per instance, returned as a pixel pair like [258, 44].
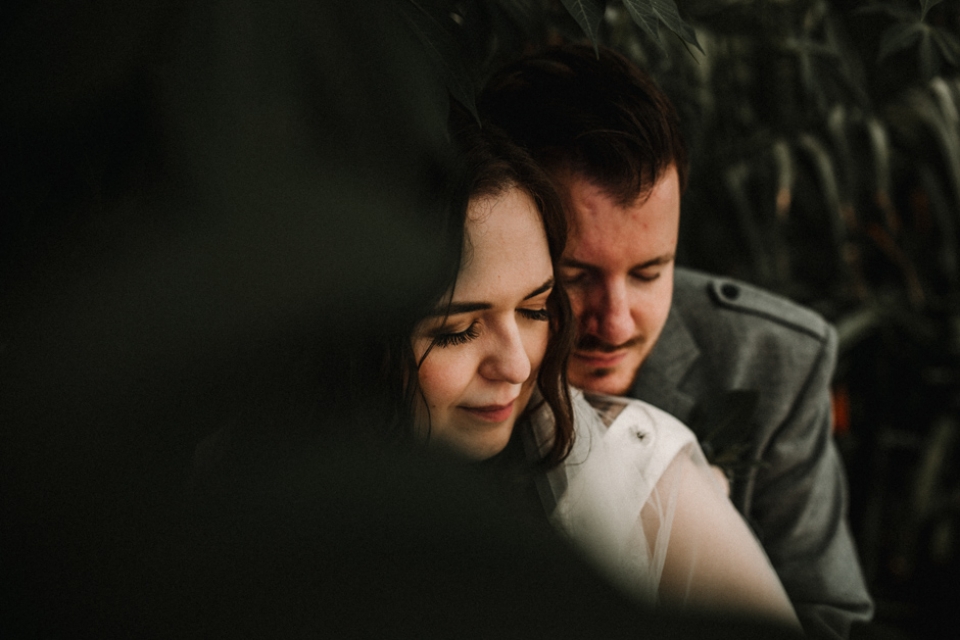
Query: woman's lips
[600, 360]
[491, 412]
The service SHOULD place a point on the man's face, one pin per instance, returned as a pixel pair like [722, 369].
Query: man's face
[618, 271]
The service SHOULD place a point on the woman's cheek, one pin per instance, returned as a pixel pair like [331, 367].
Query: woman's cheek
[440, 377]
[539, 348]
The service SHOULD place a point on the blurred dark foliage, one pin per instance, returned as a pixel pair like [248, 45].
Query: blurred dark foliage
[189, 238]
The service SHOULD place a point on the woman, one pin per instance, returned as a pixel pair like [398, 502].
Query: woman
[487, 376]
[502, 329]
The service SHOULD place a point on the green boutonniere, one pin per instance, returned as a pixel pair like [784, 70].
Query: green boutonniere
[724, 424]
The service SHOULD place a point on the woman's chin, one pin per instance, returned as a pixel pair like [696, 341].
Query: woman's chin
[479, 448]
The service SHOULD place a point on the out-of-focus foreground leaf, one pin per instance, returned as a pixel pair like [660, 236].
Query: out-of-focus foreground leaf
[899, 37]
[647, 14]
[948, 45]
[926, 5]
[588, 14]
[444, 50]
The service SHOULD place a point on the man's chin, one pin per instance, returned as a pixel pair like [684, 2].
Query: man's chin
[613, 381]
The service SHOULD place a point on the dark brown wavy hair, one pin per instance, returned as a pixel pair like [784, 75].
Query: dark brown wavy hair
[596, 115]
[490, 164]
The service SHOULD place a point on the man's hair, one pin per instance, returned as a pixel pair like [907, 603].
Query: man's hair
[600, 117]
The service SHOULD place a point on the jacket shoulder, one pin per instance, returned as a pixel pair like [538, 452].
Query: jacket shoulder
[702, 293]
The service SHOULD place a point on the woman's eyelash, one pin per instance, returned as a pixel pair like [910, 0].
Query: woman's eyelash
[535, 314]
[473, 331]
[453, 339]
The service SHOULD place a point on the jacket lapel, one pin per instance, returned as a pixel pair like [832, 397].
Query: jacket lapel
[659, 379]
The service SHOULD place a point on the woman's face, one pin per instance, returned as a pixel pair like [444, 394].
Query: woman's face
[483, 366]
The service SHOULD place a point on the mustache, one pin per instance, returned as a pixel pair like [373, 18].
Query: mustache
[593, 343]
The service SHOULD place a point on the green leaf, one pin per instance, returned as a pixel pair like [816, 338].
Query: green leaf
[925, 6]
[948, 44]
[521, 12]
[588, 14]
[894, 11]
[725, 420]
[646, 13]
[445, 54]
[899, 36]
[643, 17]
[929, 61]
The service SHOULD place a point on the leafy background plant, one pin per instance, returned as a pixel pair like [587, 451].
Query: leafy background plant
[825, 145]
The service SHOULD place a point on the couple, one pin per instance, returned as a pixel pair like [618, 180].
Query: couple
[626, 481]
[483, 371]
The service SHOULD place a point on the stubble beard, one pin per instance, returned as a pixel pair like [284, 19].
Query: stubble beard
[592, 379]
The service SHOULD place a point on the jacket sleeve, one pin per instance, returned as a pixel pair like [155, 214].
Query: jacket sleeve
[800, 507]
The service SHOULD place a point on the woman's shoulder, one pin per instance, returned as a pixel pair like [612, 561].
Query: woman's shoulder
[625, 433]
[642, 419]
[627, 429]
[623, 448]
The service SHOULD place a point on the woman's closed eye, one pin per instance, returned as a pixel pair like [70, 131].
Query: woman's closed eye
[535, 314]
[445, 338]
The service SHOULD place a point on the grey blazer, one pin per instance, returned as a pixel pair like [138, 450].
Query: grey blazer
[723, 335]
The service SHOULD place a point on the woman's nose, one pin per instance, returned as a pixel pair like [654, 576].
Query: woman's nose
[507, 360]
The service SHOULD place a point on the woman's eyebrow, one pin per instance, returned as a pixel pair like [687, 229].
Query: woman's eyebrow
[546, 286]
[454, 308]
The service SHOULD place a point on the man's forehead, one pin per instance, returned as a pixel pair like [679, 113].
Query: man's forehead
[584, 197]
[566, 176]
[602, 230]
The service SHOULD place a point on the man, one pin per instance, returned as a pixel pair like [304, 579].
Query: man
[747, 370]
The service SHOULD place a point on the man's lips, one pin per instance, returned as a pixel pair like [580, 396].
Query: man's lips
[600, 360]
[491, 412]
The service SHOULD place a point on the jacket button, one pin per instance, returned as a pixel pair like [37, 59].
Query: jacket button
[730, 291]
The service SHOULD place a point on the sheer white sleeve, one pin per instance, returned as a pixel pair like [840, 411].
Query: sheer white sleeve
[638, 497]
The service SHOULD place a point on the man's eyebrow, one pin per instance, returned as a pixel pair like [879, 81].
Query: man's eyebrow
[546, 286]
[666, 258]
[653, 262]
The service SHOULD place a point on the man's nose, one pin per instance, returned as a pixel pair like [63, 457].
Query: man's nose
[507, 359]
[612, 320]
